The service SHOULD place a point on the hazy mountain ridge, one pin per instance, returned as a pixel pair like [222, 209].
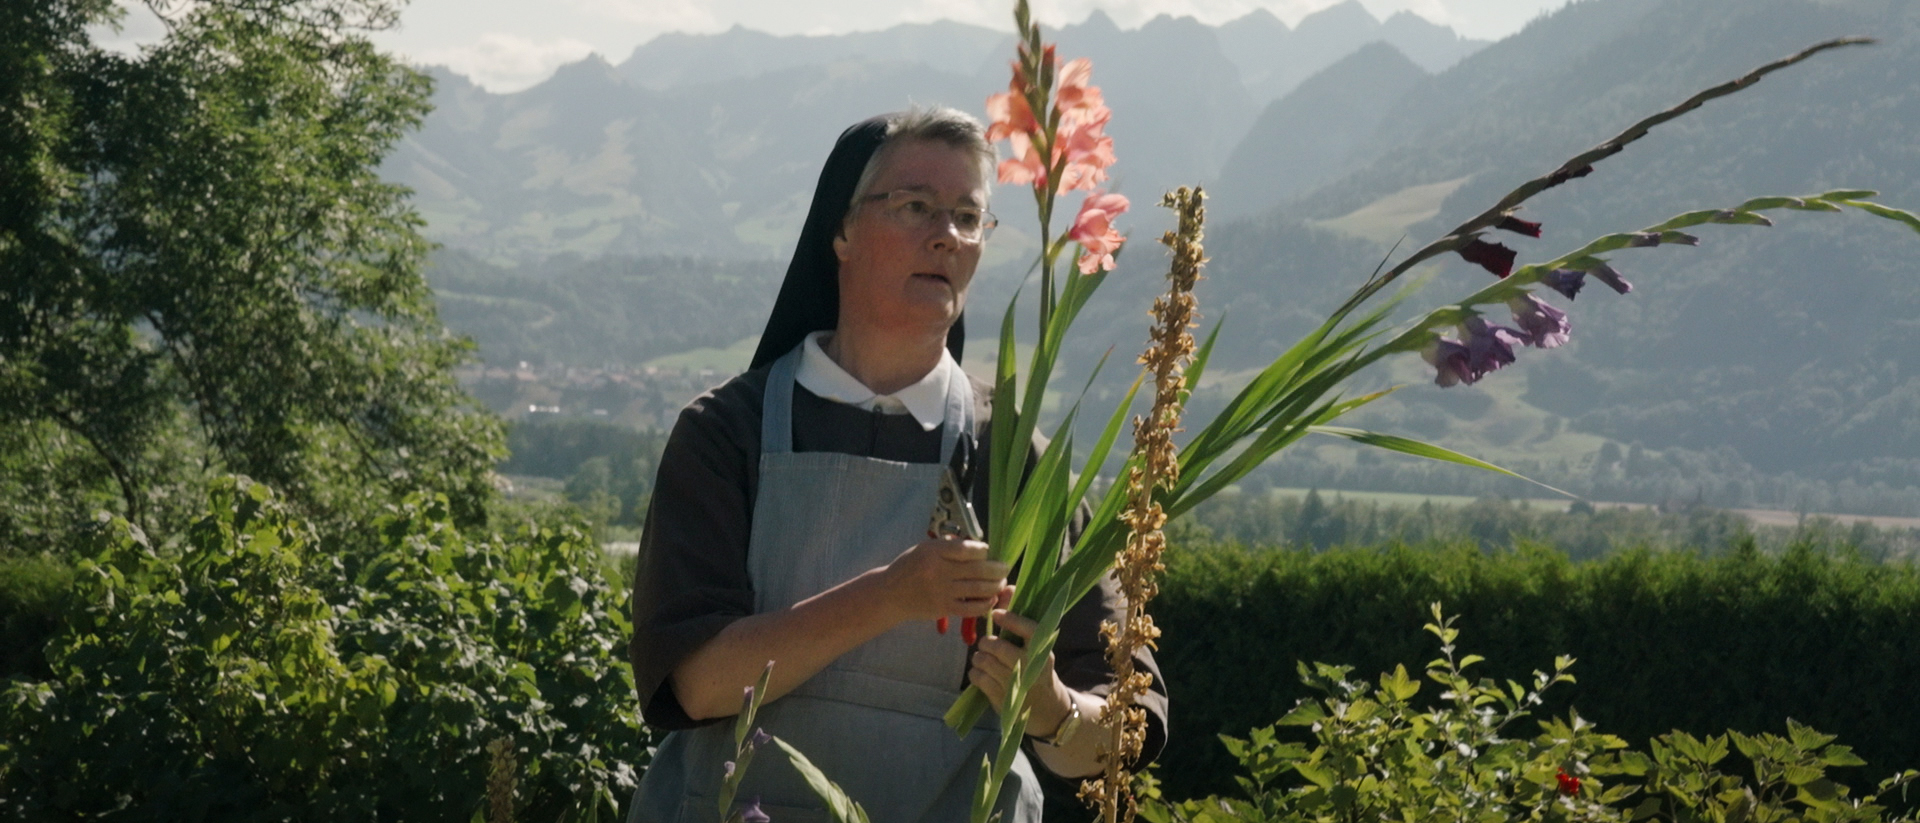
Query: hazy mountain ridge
[1766, 353]
[708, 144]
[1794, 345]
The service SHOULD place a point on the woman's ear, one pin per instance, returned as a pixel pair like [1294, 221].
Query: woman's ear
[840, 244]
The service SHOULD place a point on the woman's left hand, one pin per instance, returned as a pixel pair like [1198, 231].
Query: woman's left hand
[992, 671]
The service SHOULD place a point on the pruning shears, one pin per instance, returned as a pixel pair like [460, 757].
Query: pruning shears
[954, 518]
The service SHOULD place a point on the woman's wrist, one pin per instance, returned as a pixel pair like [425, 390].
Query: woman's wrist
[1051, 712]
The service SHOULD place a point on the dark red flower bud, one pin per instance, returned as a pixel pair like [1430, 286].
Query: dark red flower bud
[1519, 226]
[1559, 177]
[940, 625]
[969, 631]
[1493, 257]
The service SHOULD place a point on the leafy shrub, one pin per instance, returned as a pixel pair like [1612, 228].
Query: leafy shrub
[32, 593]
[261, 673]
[1376, 756]
[1667, 640]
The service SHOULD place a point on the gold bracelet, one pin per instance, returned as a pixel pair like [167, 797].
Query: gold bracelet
[1064, 734]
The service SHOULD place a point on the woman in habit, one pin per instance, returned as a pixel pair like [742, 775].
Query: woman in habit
[789, 523]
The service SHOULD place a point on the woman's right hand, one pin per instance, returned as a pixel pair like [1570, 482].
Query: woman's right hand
[939, 577]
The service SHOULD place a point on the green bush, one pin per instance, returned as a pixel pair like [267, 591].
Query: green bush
[1375, 755]
[33, 590]
[1669, 640]
[261, 673]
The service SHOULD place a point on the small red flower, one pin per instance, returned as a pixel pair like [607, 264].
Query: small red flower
[941, 624]
[1519, 226]
[1493, 257]
[1569, 785]
[969, 630]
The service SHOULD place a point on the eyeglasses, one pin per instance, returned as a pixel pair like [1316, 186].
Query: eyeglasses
[916, 211]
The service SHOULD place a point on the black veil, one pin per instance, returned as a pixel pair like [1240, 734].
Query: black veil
[809, 298]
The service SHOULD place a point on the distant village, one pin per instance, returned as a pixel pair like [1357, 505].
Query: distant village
[639, 397]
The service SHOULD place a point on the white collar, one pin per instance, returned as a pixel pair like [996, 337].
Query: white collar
[926, 400]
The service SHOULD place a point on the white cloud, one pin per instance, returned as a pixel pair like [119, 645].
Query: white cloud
[506, 62]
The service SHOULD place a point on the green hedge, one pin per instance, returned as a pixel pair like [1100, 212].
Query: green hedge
[1665, 640]
[261, 671]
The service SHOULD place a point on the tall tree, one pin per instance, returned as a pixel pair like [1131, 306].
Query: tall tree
[201, 271]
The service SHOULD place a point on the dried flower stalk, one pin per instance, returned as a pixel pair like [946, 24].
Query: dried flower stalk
[501, 778]
[1138, 566]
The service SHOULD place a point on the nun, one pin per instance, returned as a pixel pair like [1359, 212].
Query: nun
[789, 523]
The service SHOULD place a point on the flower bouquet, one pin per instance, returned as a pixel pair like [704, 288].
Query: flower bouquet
[1054, 120]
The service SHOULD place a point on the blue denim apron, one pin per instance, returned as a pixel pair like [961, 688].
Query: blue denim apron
[871, 720]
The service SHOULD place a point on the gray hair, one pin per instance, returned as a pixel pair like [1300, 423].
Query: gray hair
[941, 124]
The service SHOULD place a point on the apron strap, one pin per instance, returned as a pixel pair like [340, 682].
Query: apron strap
[959, 418]
[776, 410]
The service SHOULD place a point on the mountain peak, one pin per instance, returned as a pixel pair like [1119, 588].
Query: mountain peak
[1099, 21]
[1344, 14]
[1258, 17]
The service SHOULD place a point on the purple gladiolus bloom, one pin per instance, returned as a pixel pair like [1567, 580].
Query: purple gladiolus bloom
[1544, 326]
[753, 814]
[761, 738]
[1612, 278]
[1565, 281]
[1449, 360]
[1489, 347]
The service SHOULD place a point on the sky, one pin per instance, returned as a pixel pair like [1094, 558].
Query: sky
[507, 45]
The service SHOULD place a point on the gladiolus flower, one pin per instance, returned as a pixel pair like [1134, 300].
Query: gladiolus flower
[1449, 359]
[727, 769]
[1093, 230]
[1543, 325]
[1612, 278]
[1025, 166]
[1008, 113]
[1493, 257]
[760, 737]
[1519, 226]
[1075, 91]
[1489, 347]
[1569, 785]
[1080, 140]
[1565, 281]
[1083, 141]
[753, 814]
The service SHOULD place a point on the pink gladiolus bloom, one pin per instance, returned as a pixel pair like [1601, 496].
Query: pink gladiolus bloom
[1086, 146]
[1080, 146]
[1025, 166]
[1075, 93]
[1008, 111]
[1093, 230]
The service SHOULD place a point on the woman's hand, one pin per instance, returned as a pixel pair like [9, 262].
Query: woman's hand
[993, 660]
[939, 577]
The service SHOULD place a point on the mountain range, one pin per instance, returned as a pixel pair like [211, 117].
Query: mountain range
[1789, 352]
[708, 144]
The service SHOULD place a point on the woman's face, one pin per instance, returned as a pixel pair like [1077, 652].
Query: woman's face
[896, 277]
